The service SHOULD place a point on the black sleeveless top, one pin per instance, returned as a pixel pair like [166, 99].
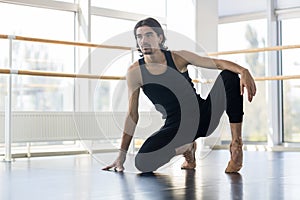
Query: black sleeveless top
[171, 91]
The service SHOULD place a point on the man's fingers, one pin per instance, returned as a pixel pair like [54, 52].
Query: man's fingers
[251, 89]
[251, 92]
[107, 167]
[254, 89]
[250, 96]
[242, 89]
[119, 169]
[114, 167]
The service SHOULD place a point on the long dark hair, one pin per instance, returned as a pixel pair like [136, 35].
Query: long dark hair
[155, 25]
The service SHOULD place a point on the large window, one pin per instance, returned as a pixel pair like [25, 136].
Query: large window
[291, 88]
[183, 23]
[111, 62]
[151, 8]
[244, 35]
[38, 93]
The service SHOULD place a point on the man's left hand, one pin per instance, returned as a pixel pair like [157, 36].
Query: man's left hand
[248, 82]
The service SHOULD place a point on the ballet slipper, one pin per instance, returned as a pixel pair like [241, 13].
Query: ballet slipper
[190, 160]
[236, 160]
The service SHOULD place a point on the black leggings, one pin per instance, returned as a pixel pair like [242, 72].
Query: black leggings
[160, 147]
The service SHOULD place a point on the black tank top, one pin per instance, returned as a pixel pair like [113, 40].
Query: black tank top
[170, 90]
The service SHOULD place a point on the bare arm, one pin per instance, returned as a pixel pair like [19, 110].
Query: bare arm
[131, 118]
[133, 83]
[211, 63]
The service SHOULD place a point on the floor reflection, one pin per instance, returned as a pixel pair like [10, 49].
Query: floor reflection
[265, 175]
[147, 186]
[159, 186]
[190, 185]
[236, 186]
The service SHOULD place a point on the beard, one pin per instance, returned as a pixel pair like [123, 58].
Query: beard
[147, 50]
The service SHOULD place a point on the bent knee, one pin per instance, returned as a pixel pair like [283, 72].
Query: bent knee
[143, 163]
[151, 161]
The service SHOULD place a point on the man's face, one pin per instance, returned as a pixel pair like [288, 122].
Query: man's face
[148, 40]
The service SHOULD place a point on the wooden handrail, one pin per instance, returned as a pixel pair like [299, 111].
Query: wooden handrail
[84, 44]
[59, 74]
[277, 78]
[252, 50]
[266, 78]
[91, 76]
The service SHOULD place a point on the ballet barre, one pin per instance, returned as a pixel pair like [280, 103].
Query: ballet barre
[59, 74]
[72, 43]
[92, 76]
[87, 44]
[255, 50]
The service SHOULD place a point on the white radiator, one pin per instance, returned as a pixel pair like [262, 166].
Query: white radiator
[63, 126]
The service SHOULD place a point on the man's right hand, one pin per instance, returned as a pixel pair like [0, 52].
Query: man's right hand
[117, 166]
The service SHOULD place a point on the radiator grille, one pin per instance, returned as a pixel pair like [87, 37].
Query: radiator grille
[63, 126]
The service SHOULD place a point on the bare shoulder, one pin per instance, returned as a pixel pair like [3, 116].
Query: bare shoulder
[180, 60]
[133, 75]
[133, 69]
[177, 53]
[192, 58]
[133, 66]
[184, 53]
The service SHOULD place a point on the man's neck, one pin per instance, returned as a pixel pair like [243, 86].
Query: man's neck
[157, 57]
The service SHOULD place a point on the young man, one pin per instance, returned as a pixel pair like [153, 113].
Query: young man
[164, 78]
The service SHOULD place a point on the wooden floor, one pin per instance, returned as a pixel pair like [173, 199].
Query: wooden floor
[266, 176]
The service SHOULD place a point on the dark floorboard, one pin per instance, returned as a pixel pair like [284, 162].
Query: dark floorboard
[265, 175]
